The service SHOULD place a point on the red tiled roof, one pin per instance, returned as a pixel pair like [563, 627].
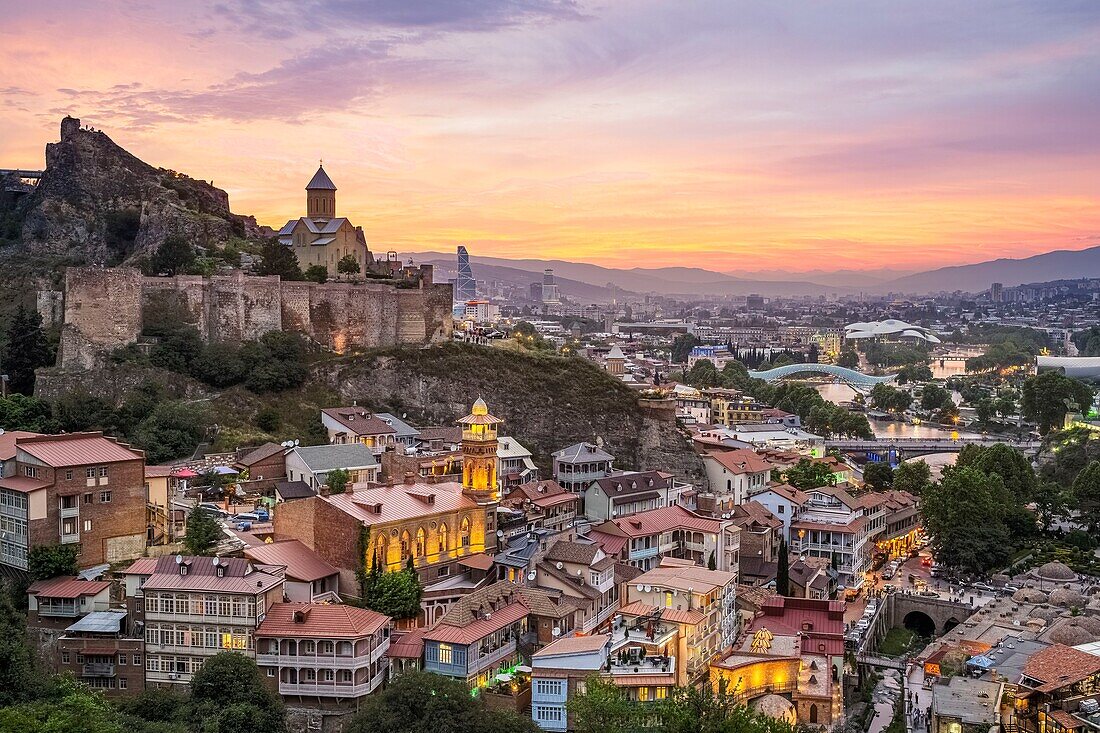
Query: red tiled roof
[22, 484]
[643, 680]
[785, 616]
[301, 563]
[320, 620]
[67, 587]
[8, 439]
[609, 543]
[402, 502]
[239, 576]
[480, 628]
[263, 452]
[142, 566]
[1059, 665]
[573, 645]
[660, 520]
[76, 449]
[359, 421]
[742, 460]
[477, 561]
[797, 496]
[408, 646]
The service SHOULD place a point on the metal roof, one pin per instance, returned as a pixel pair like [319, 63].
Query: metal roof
[328, 457]
[76, 449]
[301, 563]
[100, 622]
[320, 181]
[67, 587]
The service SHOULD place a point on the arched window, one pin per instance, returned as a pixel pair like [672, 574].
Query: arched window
[813, 713]
[380, 551]
[405, 545]
[442, 537]
[465, 532]
[421, 543]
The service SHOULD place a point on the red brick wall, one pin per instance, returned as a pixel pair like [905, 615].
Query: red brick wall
[123, 515]
[332, 534]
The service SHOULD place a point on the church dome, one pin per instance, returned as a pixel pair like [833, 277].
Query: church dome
[775, 706]
[479, 408]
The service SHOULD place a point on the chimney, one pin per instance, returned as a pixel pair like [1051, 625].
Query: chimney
[410, 478]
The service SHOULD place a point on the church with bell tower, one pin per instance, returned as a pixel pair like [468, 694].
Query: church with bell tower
[322, 238]
[479, 453]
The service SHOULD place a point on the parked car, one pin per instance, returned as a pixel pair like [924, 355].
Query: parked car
[929, 594]
[246, 517]
[984, 587]
[1010, 589]
[888, 573]
[213, 508]
[1090, 706]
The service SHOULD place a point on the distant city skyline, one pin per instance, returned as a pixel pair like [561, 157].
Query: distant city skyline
[735, 136]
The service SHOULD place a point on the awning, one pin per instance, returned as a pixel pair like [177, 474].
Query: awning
[981, 662]
[225, 471]
[185, 473]
[523, 668]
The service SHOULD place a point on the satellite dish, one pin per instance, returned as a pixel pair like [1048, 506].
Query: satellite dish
[580, 572]
[214, 561]
[500, 533]
[531, 575]
[558, 565]
[556, 632]
[296, 443]
[641, 587]
[648, 588]
[179, 559]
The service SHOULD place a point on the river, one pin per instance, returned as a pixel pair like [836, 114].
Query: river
[839, 392]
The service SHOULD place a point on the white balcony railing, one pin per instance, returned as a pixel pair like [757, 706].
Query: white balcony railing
[330, 689]
[312, 661]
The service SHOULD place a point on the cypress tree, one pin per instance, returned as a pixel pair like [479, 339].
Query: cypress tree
[783, 571]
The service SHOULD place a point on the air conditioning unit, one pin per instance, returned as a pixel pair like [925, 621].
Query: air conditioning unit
[173, 676]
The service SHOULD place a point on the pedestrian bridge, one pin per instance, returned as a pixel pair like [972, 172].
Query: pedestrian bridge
[854, 379]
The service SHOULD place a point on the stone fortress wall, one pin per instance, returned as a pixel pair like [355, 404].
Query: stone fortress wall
[105, 308]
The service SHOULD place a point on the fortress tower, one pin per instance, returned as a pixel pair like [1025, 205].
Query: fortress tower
[479, 453]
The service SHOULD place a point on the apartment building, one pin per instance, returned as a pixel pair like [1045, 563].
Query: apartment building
[642, 539]
[80, 488]
[331, 652]
[559, 671]
[732, 476]
[584, 572]
[630, 492]
[194, 607]
[576, 467]
[831, 524]
[542, 505]
[695, 609]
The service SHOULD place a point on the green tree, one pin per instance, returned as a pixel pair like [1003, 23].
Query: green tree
[603, 708]
[279, 259]
[682, 346]
[783, 569]
[20, 412]
[890, 399]
[203, 532]
[1010, 464]
[172, 430]
[78, 410]
[712, 564]
[174, 256]
[1086, 494]
[965, 516]
[1048, 396]
[1050, 503]
[396, 594]
[934, 397]
[348, 265]
[878, 476]
[51, 561]
[705, 709]
[337, 481]
[807, 474]
[985, 410]
[703, 374]
[914, 373]
[18, 680]
[277, 362]
[268, 419]
[25, 349]
[422, 702]
[229, 695]
[219, 365]
[70, 707]
[913, 477]
[317, 274]
[848, 359]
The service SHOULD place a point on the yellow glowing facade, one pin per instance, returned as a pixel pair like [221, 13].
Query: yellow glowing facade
[479, 453]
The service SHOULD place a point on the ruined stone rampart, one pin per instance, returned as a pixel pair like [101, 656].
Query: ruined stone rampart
[107, 308]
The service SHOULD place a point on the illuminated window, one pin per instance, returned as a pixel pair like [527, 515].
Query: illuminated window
[465, 532]
[446, 654]
[643, 694]
[404, 545]
[421, 543]
[662, 692]
[443, 538]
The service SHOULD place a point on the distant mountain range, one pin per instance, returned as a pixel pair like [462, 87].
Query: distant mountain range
[595, 283]
[1058, 265]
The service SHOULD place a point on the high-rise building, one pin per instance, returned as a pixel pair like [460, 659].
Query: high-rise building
[549, 287]
[996, 292]
[465, 285]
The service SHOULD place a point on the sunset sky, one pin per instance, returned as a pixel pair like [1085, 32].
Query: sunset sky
[737, 136]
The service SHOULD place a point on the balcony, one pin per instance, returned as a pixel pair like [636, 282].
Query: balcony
[102, 669]
[651, 665]
[312, 661]
[483, 661]
[330, 689]
[68, 539]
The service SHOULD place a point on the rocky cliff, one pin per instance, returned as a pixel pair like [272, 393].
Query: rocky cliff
[97, 203]
[547, 402]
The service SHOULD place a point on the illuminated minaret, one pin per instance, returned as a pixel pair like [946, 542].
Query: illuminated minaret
[479, 453]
